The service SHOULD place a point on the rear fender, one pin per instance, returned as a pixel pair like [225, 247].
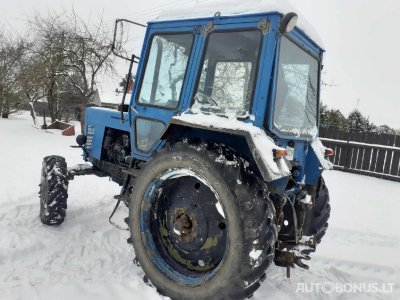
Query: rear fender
[315, 163]
[274, 171]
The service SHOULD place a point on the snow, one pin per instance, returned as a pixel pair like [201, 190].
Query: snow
[255, 254]
[208, 8]
[319, 150]
[87, 258]
[220, 210]
[113, 98]
[312, 132]
[84, 258]
[362, 144]
[264, 144]
[177, 232]
[306, 199]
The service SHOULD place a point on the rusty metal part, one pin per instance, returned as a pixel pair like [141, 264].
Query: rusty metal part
[294, 256]
[208, 28]
[185, 223]
[279, 203]
[284, 258]
[291, 258]
[264, 26]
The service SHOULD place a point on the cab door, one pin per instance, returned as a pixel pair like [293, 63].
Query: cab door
[163, 76]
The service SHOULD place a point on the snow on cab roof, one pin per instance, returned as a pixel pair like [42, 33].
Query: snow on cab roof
[208, 8]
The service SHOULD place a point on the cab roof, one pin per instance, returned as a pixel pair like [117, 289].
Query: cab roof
[208, 8]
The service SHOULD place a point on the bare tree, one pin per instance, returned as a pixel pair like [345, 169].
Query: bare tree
[12, 51]
[73, 55]
[49, 38]
[32, 80]
[88, 55]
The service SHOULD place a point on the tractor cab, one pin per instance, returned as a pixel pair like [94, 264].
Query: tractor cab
[256, 69]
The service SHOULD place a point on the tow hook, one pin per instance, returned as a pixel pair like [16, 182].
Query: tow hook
[294, 256]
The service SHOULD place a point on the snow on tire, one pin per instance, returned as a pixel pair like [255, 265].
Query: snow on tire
[53, 190]
[202, 224]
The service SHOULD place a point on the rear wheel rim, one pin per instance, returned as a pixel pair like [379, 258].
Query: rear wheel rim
[183, 227]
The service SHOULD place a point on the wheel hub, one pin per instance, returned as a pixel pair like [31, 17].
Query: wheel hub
[184, 225]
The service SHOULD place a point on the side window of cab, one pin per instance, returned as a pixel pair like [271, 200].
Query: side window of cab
[165, 70]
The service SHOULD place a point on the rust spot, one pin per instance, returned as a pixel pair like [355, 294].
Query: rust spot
[185, 224]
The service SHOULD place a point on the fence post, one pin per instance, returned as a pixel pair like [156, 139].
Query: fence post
[347, 161]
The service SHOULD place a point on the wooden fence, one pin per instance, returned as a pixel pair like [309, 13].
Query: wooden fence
[369, 154]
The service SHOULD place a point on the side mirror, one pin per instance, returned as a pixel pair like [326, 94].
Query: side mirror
[125, 40]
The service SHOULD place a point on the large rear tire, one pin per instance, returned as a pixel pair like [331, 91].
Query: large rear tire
[317, 218]
[202, 225]
[53, 190]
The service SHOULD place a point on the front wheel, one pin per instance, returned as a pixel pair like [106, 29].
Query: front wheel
[53, 190]
[202, 226]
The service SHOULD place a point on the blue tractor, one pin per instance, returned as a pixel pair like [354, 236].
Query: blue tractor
[216, 153]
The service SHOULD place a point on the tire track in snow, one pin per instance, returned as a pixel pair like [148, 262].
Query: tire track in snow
[363, 238]
[85, 244]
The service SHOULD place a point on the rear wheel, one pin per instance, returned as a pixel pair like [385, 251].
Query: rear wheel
[53, 190]
[202, 226]
[316, 222]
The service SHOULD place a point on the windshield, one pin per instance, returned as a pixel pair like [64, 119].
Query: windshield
[228, 74]
[296, 102]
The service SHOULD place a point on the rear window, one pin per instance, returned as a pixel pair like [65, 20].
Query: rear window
[296, 102]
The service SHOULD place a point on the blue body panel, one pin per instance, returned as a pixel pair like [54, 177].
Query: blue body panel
[264, 95]
[99, 119]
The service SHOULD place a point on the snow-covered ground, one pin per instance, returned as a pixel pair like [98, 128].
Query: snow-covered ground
[87, 258]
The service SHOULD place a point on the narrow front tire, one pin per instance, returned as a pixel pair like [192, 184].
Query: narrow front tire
[53, 190]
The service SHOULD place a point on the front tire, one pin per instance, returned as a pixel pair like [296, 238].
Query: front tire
[202, 226]
[53, 190]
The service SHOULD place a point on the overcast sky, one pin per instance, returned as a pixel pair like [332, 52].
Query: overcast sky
[362, 61]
